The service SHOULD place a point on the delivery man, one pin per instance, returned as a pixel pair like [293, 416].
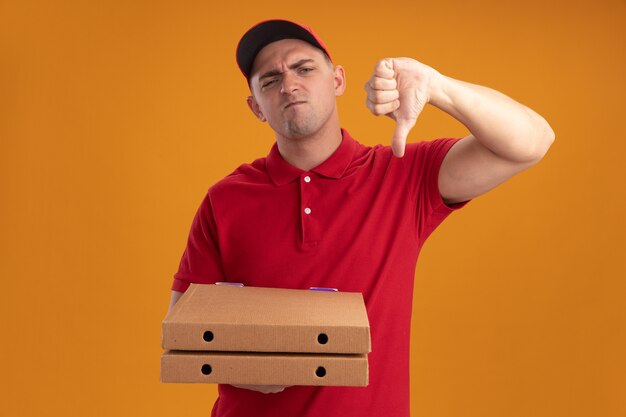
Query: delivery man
[321, 209]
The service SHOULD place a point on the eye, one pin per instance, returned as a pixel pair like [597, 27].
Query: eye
[304, 70]
[269, 83]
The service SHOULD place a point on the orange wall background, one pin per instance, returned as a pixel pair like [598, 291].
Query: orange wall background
[116, 117]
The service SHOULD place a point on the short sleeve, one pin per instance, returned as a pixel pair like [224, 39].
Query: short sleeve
[423, 161]
[201, 262]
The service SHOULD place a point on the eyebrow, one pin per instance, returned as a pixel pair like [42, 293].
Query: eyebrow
[274, 72]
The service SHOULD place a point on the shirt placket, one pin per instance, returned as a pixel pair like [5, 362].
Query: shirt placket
[308, 214]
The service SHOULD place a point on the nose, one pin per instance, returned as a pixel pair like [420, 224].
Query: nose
[289, 83]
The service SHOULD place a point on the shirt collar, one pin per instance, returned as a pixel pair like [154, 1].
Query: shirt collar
[281, 172]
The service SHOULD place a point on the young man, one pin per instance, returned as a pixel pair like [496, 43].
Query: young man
[323, 210]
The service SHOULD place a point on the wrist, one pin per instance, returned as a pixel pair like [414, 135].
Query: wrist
[437, 89]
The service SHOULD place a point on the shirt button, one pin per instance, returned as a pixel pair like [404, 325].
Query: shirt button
[307, 210]
[307, 179]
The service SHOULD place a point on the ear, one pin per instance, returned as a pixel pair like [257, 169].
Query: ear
[339, 76]
[254, 107]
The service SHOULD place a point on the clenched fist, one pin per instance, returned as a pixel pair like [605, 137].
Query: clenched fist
[400, 88]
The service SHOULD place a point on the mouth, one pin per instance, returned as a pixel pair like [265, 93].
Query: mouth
[294, 104]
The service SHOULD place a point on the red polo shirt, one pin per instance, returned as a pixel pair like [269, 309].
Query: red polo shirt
[356, 222]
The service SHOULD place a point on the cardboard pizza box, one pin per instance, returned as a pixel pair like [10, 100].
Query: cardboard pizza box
[264, 368]
[256, 319]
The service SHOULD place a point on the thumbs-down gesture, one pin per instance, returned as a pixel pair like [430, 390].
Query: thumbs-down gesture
[399, 88]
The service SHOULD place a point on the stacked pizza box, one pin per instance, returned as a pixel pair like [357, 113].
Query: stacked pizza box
[266, 336]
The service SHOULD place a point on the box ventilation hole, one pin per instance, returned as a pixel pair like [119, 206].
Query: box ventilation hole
[322, 338]
[320, 371]
[206, 369]
[208, 336]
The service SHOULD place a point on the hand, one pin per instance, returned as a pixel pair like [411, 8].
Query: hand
[399, 88]
[265, 389]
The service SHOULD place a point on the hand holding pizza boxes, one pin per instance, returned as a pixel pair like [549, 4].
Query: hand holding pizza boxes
[266, 336]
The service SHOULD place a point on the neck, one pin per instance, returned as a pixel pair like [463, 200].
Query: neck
[310, 151]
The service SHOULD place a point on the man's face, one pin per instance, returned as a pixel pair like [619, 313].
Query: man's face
[294, 88]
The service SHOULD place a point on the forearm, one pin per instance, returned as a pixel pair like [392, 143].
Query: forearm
[504, 126]
[174, 299]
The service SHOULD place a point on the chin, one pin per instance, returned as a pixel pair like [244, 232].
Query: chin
[301, 130]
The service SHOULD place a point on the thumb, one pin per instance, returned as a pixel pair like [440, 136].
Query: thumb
[398, 141]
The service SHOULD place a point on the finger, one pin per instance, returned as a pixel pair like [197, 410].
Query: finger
[398, 141]
[384, 108]
[378, 83]
[265, 389]
[384, 69]
[274, 389]
[381, 97]
[371, 92]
